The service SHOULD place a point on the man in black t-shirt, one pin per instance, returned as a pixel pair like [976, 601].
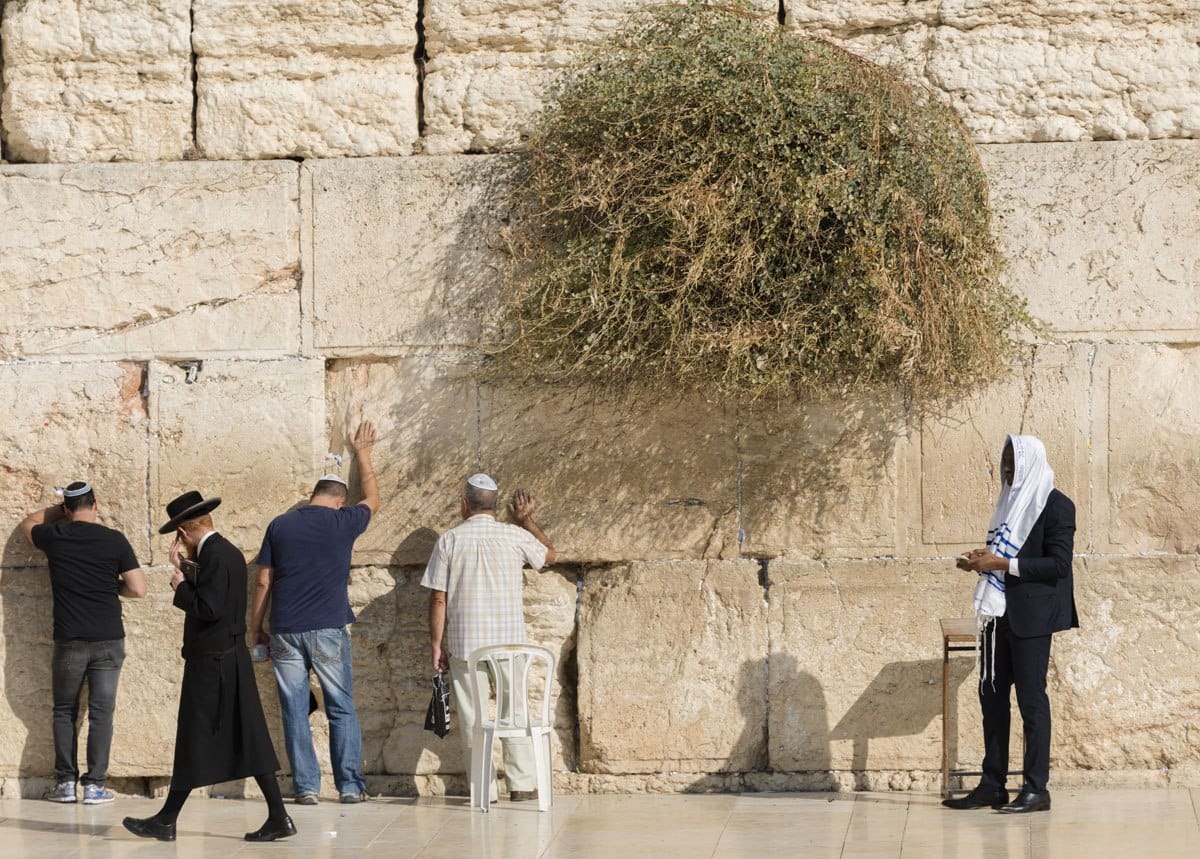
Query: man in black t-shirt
[91, 567]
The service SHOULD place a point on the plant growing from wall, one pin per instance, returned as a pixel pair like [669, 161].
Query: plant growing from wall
[711, 201]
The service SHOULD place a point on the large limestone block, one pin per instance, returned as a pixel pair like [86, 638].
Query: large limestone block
[485, 103]
[489, 64]
[315, 80]
[1148, 484]
[1101, 237]
[396, 711]
[617, 479]
[96, 80]
[26, 742]
[825, 478]
[1047, 395]
[374, 598]
[1034, 71]
[251, 432]
[64, 422]
[129, 260]
[855, 666]
[672, 673]
[1084, 80]
[1122, 688]
[426, 411]
[551, 597]
[413, 236]
[148, 699]
[852, 16]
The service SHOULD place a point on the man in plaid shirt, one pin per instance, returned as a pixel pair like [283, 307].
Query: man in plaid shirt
[476, 584]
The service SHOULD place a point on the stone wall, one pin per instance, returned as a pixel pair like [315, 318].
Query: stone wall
[747, 596]
[112, 80]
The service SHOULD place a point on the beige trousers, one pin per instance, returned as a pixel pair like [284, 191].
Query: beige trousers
[519, 767]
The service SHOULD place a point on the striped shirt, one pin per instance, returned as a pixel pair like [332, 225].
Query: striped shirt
[478, 564]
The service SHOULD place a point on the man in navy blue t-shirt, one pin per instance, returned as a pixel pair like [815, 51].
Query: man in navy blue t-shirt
[304, 570]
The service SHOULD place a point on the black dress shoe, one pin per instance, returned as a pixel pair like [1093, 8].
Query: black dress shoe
[1027, 801]
[273, 830]
[980, 797]
[148, 827]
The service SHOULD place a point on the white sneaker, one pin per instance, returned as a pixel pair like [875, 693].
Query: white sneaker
[64, 791]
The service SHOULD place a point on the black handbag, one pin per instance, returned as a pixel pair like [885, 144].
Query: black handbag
[437, 717]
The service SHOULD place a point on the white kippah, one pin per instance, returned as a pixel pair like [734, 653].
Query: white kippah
[482, 481]
[332, 477]
[77, 491]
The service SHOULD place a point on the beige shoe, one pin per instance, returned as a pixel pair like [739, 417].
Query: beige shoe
[522, 795]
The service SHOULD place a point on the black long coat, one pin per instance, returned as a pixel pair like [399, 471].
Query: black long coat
[222, 732]
[1041, 601]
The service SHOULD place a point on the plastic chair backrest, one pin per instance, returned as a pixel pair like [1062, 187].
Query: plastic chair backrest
[518, 664]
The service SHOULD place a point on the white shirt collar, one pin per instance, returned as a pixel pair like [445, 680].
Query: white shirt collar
[203, 540]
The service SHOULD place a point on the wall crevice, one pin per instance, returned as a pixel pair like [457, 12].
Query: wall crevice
[419, 58]
[195, 148]
[3, 133]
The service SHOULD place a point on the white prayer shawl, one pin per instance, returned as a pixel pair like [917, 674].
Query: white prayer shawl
[1017, 509]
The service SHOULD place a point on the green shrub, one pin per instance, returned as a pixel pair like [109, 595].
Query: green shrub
[711, 201]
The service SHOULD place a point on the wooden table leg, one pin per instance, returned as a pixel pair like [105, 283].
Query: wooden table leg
[945, 711]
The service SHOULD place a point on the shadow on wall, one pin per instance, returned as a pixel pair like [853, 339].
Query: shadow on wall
[902, 701]
[750, 750]
[418, 544]
[797, 713]
[410, 675]
[472, 274]
[28, 652]
[393, 686]
[820, 463]
[384, 687]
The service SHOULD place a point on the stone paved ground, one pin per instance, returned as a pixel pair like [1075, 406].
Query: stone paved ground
[1091, 823]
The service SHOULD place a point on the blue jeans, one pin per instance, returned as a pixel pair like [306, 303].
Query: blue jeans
[98, 662]
[327, 653]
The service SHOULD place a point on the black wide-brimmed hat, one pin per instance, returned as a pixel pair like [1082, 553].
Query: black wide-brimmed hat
[187, 506]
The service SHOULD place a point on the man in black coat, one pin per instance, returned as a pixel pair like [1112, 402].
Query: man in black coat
[1039, 597]
[222, 732]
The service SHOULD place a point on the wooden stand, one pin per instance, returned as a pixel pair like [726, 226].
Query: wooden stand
[958, 634]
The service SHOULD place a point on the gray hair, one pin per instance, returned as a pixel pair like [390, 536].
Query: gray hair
[480, 500]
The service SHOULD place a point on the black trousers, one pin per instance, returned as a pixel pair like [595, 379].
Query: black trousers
[1021, 662]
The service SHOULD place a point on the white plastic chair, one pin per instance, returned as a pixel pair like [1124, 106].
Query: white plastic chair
[510, 716]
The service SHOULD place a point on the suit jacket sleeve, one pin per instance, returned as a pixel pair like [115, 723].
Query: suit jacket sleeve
[1058, 544]
[205, 600]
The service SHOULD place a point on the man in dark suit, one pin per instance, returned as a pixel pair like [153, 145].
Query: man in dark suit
[1039, 601]
[222, 732]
